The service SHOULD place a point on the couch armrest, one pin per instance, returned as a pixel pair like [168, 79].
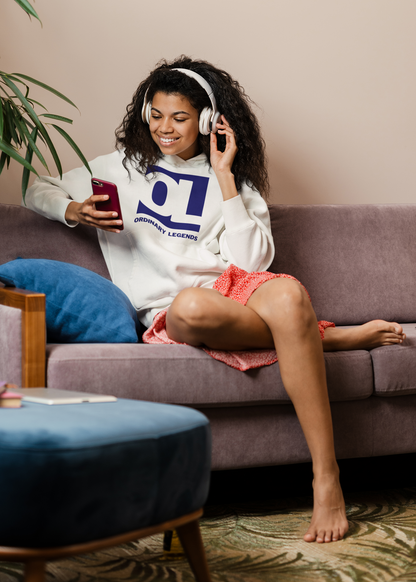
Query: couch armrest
[32, 306]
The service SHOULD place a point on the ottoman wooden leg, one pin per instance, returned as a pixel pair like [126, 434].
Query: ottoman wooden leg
[191, 540]
[35, 571]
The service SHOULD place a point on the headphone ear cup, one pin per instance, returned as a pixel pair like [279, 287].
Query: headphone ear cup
[204, 119]
[146, 111]
[215, 121]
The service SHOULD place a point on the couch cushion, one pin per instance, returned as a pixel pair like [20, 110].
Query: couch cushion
[11, 344]
[180, 374]
[395, 366]
[355, 260]
[81, 306]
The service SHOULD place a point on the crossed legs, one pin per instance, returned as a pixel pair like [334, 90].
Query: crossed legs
[279, 314]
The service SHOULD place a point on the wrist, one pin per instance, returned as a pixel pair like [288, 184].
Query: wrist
[71, 213]
[226, 182]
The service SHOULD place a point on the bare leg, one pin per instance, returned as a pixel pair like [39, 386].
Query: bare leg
[303, 373]
[280, 313]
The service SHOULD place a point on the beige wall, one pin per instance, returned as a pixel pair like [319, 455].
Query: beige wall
[334, 80]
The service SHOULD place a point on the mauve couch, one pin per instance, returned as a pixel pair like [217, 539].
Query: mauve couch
[358, 263]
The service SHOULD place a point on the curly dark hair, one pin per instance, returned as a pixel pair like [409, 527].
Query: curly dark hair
[250, 164]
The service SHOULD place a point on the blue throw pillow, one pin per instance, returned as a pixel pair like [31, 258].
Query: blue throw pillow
[81, 306]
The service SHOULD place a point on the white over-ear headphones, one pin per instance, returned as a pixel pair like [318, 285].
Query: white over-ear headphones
[208, 118]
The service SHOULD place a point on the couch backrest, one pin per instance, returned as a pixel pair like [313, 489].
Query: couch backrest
[25, 234]
[358, 262]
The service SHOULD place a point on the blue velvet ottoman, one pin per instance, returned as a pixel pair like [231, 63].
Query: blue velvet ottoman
[75, 478]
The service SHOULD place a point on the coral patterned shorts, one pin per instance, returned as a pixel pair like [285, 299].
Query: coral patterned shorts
[238, 285]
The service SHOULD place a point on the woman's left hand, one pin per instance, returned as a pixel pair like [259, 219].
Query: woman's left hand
[222, 162]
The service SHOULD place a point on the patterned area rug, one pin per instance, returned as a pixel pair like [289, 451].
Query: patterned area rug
[263, 543]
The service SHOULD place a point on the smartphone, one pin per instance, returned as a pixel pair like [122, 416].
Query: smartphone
[100, 187]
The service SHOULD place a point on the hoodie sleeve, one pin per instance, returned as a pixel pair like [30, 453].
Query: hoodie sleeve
[50, 197]
[247, 241]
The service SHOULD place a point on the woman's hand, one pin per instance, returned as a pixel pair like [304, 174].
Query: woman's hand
[86, 213]
[222, 162]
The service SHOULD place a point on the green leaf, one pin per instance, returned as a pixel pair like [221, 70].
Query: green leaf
[52, 149]
[29, 156]
[73, 146]
[32, 101]
[47, 87]
[12, 153]
[31, 112]
[31, 138]
[20, 128]
[57, 117]
[28, 8]
[3, 159]
[6, 133]
[4, 91]
[10, 120]
[29, 109]
[1, 118]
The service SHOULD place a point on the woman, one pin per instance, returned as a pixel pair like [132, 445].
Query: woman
[190, 167]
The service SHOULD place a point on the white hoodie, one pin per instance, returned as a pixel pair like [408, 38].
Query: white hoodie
[178, 231]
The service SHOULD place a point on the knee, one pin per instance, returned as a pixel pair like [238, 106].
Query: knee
[288, 300]
[187, 315]
[188, 307]
[292, 295]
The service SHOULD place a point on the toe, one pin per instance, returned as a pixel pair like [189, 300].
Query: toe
[397, 328]
[336, 535]
[309, 537]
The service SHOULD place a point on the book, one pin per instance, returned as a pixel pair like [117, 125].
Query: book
[8, 398]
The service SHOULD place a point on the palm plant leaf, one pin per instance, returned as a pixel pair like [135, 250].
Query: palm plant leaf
[43, 85]
[56, 117]
[29, 156]
[20, 125]
[1, 118]
[73, 146]
[19, 128]
[28, 8]
[10, 120]
[33, 101]
[3, 159]
[31, 139]
[12, 153]
[31, 112]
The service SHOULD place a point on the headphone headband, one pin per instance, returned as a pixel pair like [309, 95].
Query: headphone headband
[208, 117]
[204, 84]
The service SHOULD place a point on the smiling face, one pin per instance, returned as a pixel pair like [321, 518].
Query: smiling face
[174, 125]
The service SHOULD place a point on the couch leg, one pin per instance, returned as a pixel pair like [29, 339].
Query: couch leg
[191, 540]
[35, 571]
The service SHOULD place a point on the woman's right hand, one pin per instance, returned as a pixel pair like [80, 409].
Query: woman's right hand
[86, 213]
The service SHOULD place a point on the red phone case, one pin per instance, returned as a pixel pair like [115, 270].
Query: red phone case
[100, 187]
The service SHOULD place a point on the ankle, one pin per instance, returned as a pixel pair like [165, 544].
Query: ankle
[325, 470]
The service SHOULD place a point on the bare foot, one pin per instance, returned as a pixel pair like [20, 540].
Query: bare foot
[364, 337]
[329, 521]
